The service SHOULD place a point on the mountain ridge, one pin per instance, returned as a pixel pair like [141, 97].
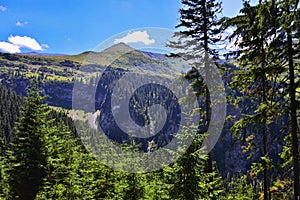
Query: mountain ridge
[56, 75]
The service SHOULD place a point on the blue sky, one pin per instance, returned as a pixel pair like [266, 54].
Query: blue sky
[74, 26]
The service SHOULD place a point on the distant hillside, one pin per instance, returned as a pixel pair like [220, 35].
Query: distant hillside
[57, 74]
[42, 54]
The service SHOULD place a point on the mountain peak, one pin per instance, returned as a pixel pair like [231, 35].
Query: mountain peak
[121, 44]
[119, 47]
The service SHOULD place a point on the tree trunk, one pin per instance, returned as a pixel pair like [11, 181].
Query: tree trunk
[265, 137]
[207, 98]
[264, 125]
[293, 115]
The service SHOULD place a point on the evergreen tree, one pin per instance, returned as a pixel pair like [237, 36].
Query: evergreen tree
[272, 40]
[289, 35]
[257, 78]
[238, 188]
[199, 31]
[27, 159]
[59, 148]
[9, 111]
[156, 186]
[188, 177]
[72, 173]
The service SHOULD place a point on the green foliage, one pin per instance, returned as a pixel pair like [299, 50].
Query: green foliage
[27, 159]
[156, 185]
[9, 107]
[266, 58]
[42, 158]
[188, 177]
[238, 188]
[199, 29]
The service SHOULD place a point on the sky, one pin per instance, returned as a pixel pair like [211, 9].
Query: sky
[75, 26]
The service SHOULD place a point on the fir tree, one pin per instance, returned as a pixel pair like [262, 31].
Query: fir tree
[289, 46]
[257, 78]
[27, 158]
[188, 177]
[199, 31]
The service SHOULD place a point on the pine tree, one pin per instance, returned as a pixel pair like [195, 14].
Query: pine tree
[199, 31]
[239, 188]
[289, 45]
[257, 77]
[72, 173]
[58, 151]
[9, 111]
[156, 186]
[27, 157]
[188, 177]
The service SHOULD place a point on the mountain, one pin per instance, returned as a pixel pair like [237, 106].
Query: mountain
[57, 72]
[57, 75]
[42, 54]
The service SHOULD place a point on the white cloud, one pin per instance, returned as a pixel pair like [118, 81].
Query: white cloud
[135, 37]
[10, 48]
[2, 8]
[15, 43]
[21, 24]
[25, 42]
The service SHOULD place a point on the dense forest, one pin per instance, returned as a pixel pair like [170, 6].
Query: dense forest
[42, 155]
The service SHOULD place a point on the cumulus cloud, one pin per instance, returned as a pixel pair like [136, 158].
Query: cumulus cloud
[2, 8]
[25, 42]
[135, 37]
[10, 48]
[15, 43]
[21, 24]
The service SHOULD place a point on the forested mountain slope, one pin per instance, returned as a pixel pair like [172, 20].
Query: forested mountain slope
[56, 76]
